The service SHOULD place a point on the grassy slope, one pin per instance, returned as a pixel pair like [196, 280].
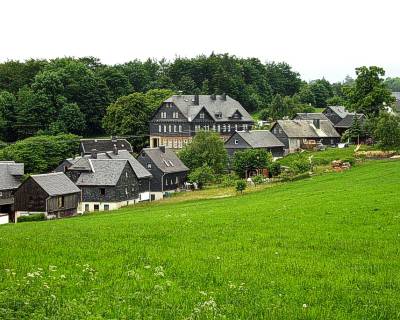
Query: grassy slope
[331, 243]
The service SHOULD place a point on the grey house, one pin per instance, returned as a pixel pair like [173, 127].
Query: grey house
[257, 139]
[10, 179]
[52, 194]
[304, 134]
[106, 184]
[103, 145]
[341, 118]
[169, 172]
[142, 174]
[310, 116]
[178, 119]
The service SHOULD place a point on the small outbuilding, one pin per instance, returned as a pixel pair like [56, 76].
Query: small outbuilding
[256, 139]
[53, 194]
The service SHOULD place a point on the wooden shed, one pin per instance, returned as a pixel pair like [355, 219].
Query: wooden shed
[53, 194]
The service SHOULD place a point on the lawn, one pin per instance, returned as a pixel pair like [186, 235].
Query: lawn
[321, 248]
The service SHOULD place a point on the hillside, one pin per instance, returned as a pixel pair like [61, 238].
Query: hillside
[326, 247]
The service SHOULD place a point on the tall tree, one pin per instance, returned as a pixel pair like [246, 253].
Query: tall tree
[282, 79]
[8, 105]
[278, 108]
[206, 149]
[369, 93]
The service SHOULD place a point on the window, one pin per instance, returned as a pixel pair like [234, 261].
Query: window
[223, 128]
[197, 128]
[159, 128]
[169, 128]
[201, 115]
[165, 128]
[87, 208]
[229, 128]
[174, 127]
[126, 191]
[214, 128]
[61, 201]
[245, 126]
[96, 207]
[207, 127]
[103, 191]
[166, 182]
[180, 128]
[176, 180]
[163, 115]
[236, 127]
[175, 115]
[106, 207]
[218, 115]
[149, 165]
[236, 141]
[126, 174]
[219, 128]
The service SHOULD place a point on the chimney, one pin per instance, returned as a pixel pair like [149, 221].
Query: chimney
[115, 149]
[114, 139]
[162, 148]
[213, 96]
[223, 96]
[93, 154]
[317, 123]
[196, 101]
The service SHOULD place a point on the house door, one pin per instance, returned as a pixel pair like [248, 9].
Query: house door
[155, 143]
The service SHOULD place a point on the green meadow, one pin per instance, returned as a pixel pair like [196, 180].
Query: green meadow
[327, 247]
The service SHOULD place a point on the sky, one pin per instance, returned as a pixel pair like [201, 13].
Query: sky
[325, 38]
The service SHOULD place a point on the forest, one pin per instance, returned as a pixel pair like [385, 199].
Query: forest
[71, 95]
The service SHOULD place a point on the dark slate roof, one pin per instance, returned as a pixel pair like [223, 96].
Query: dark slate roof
[227, 107]
[55, 184]
[105, 172]
[104, 145]
[260, 139]
[306, 129]
[83, 164]
[310, 116]
[167, 161]
[341, 111]
[347, 121]
[10, 174]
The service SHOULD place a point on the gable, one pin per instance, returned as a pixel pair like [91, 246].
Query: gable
[203, 115]
[236, 115]
[167, 110]
[240, 142]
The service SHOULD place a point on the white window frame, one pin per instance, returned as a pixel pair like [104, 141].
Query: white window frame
[236, 141]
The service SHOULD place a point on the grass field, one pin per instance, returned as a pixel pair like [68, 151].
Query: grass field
[321, 248]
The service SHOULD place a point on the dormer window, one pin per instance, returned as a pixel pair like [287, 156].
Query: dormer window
[236, 141]
[218, 115]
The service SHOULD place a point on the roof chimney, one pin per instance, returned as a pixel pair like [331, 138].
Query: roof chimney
[115, 149]
[317, 123]
[162, 148]
[213, 96]
[93, 154]
[196, 101]
[223, 96]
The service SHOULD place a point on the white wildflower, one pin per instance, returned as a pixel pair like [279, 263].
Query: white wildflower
[159, 271]
[305, 305]
[62, 276]
[147, 267]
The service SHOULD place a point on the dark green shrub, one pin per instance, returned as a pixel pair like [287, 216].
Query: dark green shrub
[275, 169]
[241, 186]
[32, 217]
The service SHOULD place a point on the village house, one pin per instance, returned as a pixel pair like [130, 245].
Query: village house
[178, 119]
[106, 184]
[305, 134]
[141, 173]
[169, 172]
[103, 145]
[341, 118]
[257, 139]
[10, 179]
[395, 107]
[53, 194]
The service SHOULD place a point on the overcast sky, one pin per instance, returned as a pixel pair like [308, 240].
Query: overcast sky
[317, 37]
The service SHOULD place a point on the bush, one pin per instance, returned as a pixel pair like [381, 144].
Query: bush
[241, 186]
[274, 169]
[258, 179]
[228, 180]
[32, 217]
[301, 164]
[202, 176]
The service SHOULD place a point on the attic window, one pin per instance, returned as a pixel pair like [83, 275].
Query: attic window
[149, 165]
[236, 141]
[218, 115]
[143, 154]
[201, 115]
[103, 191]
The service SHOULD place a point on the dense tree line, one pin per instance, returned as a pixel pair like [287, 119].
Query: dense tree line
[71, 95]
